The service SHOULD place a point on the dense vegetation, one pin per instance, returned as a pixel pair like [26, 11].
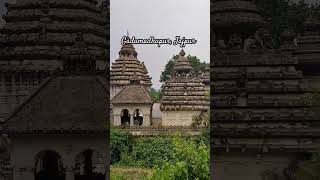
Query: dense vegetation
[168, 157]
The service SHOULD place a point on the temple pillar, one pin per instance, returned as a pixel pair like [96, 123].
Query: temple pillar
[117, 120]
[68, 162]
[131, 119]
[146, 120]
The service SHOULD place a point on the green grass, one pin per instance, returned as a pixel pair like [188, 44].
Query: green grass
[129, 173]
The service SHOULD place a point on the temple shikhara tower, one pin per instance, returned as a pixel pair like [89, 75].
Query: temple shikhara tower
[260, 122]
[125, 67]
[184, 95]
[54, 93]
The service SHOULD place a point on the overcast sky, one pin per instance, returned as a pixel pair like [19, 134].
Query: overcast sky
[162, 19]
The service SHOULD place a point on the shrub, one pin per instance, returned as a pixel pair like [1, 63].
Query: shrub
[120, 143]
[152, 152]
[191, 162]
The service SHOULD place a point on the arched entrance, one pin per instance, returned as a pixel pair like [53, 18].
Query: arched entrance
[89, 165]
[48, 166]
[125, 117]
[138, 117]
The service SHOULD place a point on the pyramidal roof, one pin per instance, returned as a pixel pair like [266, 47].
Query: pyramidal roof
[133, 94]
[184, 91]
[127, 66]
[52, 107]
[37, 32]
[146, 76]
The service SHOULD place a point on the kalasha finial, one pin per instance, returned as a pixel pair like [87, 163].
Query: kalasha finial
[182, 53]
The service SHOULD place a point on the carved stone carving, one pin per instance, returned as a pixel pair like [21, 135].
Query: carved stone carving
[235, 41]
[270, 174]
[264, 38]
[250, 43]
[221, 44]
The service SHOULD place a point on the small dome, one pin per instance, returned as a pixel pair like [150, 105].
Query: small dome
[127, 50]
[235, 15]
[182, 64]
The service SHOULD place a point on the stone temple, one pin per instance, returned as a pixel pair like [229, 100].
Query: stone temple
[54, 92]
[259, 118]
[185, 95]
[125, 67]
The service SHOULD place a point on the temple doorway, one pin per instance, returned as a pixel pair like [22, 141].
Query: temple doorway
[125, 117]
[49, 166]
[89, 165]
[138, 117]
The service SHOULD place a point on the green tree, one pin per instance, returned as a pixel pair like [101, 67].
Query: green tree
[196, 64]
[155, 94]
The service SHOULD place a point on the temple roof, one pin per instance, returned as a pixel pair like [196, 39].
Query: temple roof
[127, 66]
[235, 15]
[63, 103]
[39, 31]
[182, 64]
[133, 94]
[311, 36]
[146, 76]
[128, 50]
[184, 91]
[184, 94]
